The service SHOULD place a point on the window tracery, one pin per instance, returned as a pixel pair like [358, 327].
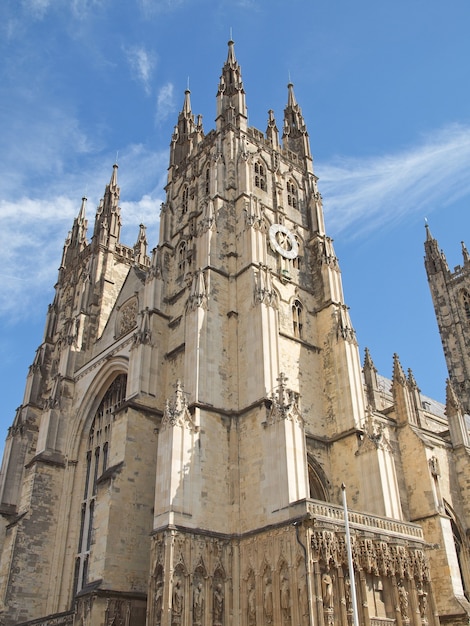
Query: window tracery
[292, 194]
[260, 176]
[182, 258]
[297, 319]
[465, 297]
[96, 464]
[185, 200]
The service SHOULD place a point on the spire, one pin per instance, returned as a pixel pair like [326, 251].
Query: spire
[272, 132]
[108, 215]
[140, 247]
[76, 239]
[434, 260]
[371, 381]
[398, 376]
[186, 133]
[466, 256]
[295, 135]
[231, 106]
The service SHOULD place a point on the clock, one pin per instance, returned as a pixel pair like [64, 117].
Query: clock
[283, 241]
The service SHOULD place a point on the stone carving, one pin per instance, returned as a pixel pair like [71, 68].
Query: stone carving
[177, 604]
[158, 600]
[434, 467]
[264, 291]
[268, 600]
[198, 605]
[327, 590]
[127, 318]
[422, 601]
[218, 608]
[118, 613]
[284, 403]
[403, 600]
[144, 334]
[284, 593]
[251, 602]
[198, 294]
[176, 411]
[347, 593]
[83, 611]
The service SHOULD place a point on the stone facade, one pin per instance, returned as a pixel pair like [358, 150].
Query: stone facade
[190, 417]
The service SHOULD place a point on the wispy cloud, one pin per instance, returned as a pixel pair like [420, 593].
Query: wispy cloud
[142, 65]
[37, 8]
[165, 103]
[34, 228]
[152, 7]
[360, 195]
[377, 191]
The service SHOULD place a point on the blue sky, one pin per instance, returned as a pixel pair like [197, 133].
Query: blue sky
[384, 88]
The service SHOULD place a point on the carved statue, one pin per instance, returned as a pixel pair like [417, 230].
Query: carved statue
[251, 605]
[177, 604]
[327, 590]
[403, 599]
[158, 602]
[422, 600]
[218, 605]
[268, 600]
[285, 600]
[347, 593]
[198, 605]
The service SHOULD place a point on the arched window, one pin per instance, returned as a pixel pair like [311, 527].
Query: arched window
[292, 194]
[465, 297]
[461, 549]
[297, 321]
[185, 200]
[208, 181]
[297, 262]
[181, 256]
[260, 176]
[96, 460]
[316, 482]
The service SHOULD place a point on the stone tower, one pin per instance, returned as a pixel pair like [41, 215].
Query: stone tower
[450, 293]
[189, 418]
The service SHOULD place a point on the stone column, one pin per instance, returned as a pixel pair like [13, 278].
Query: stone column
[364, 603]
[318, 593]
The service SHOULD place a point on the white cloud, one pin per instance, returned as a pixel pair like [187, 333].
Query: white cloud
[34, 229]
[369, 193]
[151, 7]
[37, 8]
[142, 64]
[165, 103]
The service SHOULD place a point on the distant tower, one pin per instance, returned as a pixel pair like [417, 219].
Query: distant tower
[451, 297]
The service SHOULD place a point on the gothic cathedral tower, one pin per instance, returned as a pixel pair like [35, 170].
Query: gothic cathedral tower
[450, 293]
[189, 418]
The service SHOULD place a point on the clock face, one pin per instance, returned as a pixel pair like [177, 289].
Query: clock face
[283, 241]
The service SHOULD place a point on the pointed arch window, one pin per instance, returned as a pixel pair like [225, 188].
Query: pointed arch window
[207, 181]
[316, 481]
[96, 460]
[260, 176]
[182, 258]
[461, 549]
[292, 199]
[465, 297]
[297, 262]
[297, 319]
[185, 200]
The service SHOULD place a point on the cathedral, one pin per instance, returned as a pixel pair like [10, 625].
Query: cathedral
[199, 443]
